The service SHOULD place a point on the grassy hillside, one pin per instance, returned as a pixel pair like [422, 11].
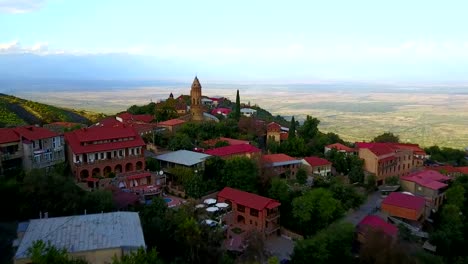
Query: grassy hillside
[15, 111]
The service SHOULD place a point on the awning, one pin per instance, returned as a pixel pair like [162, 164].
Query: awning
[139, 176]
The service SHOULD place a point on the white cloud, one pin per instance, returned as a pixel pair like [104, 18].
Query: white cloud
[20, 6]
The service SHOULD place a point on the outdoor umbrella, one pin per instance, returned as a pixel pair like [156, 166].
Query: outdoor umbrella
[210, 201]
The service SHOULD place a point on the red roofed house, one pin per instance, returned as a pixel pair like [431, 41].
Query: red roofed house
[404, 206]
[387, 159]
[250, 211]
[221, 111]
[11, 150]
[317, 166]
[375, 223]
[242, 150]
[340, 148]
[282, 165]
[450, 170]
[97, 151]
[127, 117]
[172, 125]
[42, 148]
[429, 184]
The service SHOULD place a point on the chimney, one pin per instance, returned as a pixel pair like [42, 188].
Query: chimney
[40, 215]
[46, 215]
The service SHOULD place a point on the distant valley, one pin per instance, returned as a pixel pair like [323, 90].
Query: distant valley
[424, 115]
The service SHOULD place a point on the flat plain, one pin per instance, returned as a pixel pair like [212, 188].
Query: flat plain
[427, 115]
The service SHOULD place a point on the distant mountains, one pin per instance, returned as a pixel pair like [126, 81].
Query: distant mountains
[15, 111]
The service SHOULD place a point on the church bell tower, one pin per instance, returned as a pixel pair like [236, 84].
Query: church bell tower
[196, 109]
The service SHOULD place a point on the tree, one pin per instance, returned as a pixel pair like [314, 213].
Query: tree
[381, 248]
[456, 195]
[292, 129]
[139, 257]
[221, 143]
[180, 141]
[99, 201]
[331, 245]
[42, 253]
[371, 181]
[309, 129]
[152, 164]
[237, 112]
[316, 209]
[241, 173]
[347, 195]
[279, 190]
[387, 137]
[301, 176]
[394, 180]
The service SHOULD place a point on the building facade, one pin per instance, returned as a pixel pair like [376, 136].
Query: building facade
[316, 166]
[196, 107]
[251, 212]
[11, 150]
[281, 165]
[241, 150]
[96, 152]
[42, 148]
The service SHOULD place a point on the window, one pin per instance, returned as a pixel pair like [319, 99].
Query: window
[96, 156]
[253, 212]
[102, 155]
[37, 158]
[48, 156]
[240, 208]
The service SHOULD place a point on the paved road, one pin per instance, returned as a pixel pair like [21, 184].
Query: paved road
[373, 200]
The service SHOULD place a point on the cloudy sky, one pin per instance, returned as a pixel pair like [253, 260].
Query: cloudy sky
[304, 41]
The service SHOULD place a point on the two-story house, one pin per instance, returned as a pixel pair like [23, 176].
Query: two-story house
[281, 165]
[251, 211]
[428, 184]
[100, 150]
[11, 150]
[241, 150]
[42, 148]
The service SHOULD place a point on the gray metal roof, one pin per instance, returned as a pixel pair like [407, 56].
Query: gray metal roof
[85, 232]
[183, 157]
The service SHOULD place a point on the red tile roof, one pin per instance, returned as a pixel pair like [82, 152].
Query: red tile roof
[316, 161]
[273, 158]
[77, 137]
[109, 121]
[380, 150]
[8, 135]
[375, 222]
[284, 135]
[414, 147]
[230, 141]
[171, 122]
[427, 178]
[340, 147]
[233, 150]
[273, 126]
[393, 146]
[223, 111]
[35, 133]
[405, 201]
[247, 199]
[449, 169]
[127, 117]
[138, 176]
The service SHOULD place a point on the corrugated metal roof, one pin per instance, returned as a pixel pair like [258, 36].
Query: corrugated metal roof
[85, 232]
[183, 157]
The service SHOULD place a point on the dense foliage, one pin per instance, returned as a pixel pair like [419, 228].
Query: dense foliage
[387, 137]
[447, 155]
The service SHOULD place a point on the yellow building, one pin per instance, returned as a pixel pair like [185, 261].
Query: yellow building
[96, 238]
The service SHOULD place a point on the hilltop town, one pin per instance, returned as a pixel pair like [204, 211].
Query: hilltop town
[203, 179]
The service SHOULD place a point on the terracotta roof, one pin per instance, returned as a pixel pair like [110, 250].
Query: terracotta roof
[339, 146]
[381, 149]
[376, 222]
[247, 199]
[233, 150]
[230, 141]
[108, 121]
[449, 169]
[273, 125]
[77, 137]
[316, 161]
[223, 111]
[171, 122]
[274, 158]
[405, 201]
[414, 147]
[427, 178]
[8, 135]
[35, 133]
[393, 146]
[126, 117]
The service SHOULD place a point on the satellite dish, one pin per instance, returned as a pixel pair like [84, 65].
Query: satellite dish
[161, 172]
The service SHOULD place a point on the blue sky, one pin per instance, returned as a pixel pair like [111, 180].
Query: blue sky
[367, 40]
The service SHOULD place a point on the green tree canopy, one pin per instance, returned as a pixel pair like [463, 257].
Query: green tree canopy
[237, 113]
[139, 257]
[331, 245]
[241, 173]
[387, 137]
[316, 209]
[292, 129]
[42, 253]
[309, 129]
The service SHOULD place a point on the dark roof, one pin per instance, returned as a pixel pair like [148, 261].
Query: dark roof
[405, 201]
[247, 199]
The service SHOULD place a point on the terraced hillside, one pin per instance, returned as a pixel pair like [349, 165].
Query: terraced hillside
[15, 111]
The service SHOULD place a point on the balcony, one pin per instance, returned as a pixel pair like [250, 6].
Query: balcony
[272, 216]
[9, 156]
[271, 228]
[109, 161]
